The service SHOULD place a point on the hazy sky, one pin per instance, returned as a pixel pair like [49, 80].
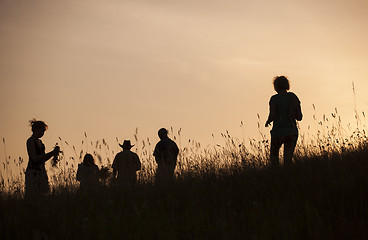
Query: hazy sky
[106, 67]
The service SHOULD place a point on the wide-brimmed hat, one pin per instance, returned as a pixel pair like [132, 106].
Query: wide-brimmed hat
[126, 144]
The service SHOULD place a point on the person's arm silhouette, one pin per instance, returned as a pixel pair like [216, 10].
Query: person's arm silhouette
[39, 158]
[298, 115]
[271, 115]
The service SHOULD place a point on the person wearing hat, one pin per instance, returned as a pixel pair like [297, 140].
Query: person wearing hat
[126, 164]
[166, 153]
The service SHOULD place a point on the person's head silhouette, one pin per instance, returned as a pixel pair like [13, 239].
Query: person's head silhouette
[281, 83]
[88, 159]
[126, 145]
[162, 133]
[38, 127]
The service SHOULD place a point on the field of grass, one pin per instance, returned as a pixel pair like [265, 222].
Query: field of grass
[221, 192]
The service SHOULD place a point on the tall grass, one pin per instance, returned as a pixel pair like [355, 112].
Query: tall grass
[221, 191]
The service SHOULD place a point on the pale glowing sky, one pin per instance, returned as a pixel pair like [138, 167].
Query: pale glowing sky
[109, 66]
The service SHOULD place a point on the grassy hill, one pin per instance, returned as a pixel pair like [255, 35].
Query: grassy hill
[321, 196]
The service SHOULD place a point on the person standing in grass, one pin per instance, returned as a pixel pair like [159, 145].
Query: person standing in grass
[126, 164]
[88, 172]
[36, 179]
[284, 111]
[165, 153]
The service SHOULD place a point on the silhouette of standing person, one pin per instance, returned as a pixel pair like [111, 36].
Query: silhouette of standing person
[166, 153]
[126, 164]
[36, 179]
[284, 111]
[88, 172]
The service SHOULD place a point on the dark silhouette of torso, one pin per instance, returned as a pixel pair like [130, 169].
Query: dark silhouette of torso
[127, 163]
[166, 152]
[40, 150]
[285, 107]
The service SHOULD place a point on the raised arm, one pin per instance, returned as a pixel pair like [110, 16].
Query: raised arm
[39, 158]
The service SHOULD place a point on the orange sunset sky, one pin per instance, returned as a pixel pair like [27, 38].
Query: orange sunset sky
[107, 67]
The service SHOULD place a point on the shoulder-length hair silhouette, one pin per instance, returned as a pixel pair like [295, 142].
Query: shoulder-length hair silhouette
[88, 172]
[281, 83]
